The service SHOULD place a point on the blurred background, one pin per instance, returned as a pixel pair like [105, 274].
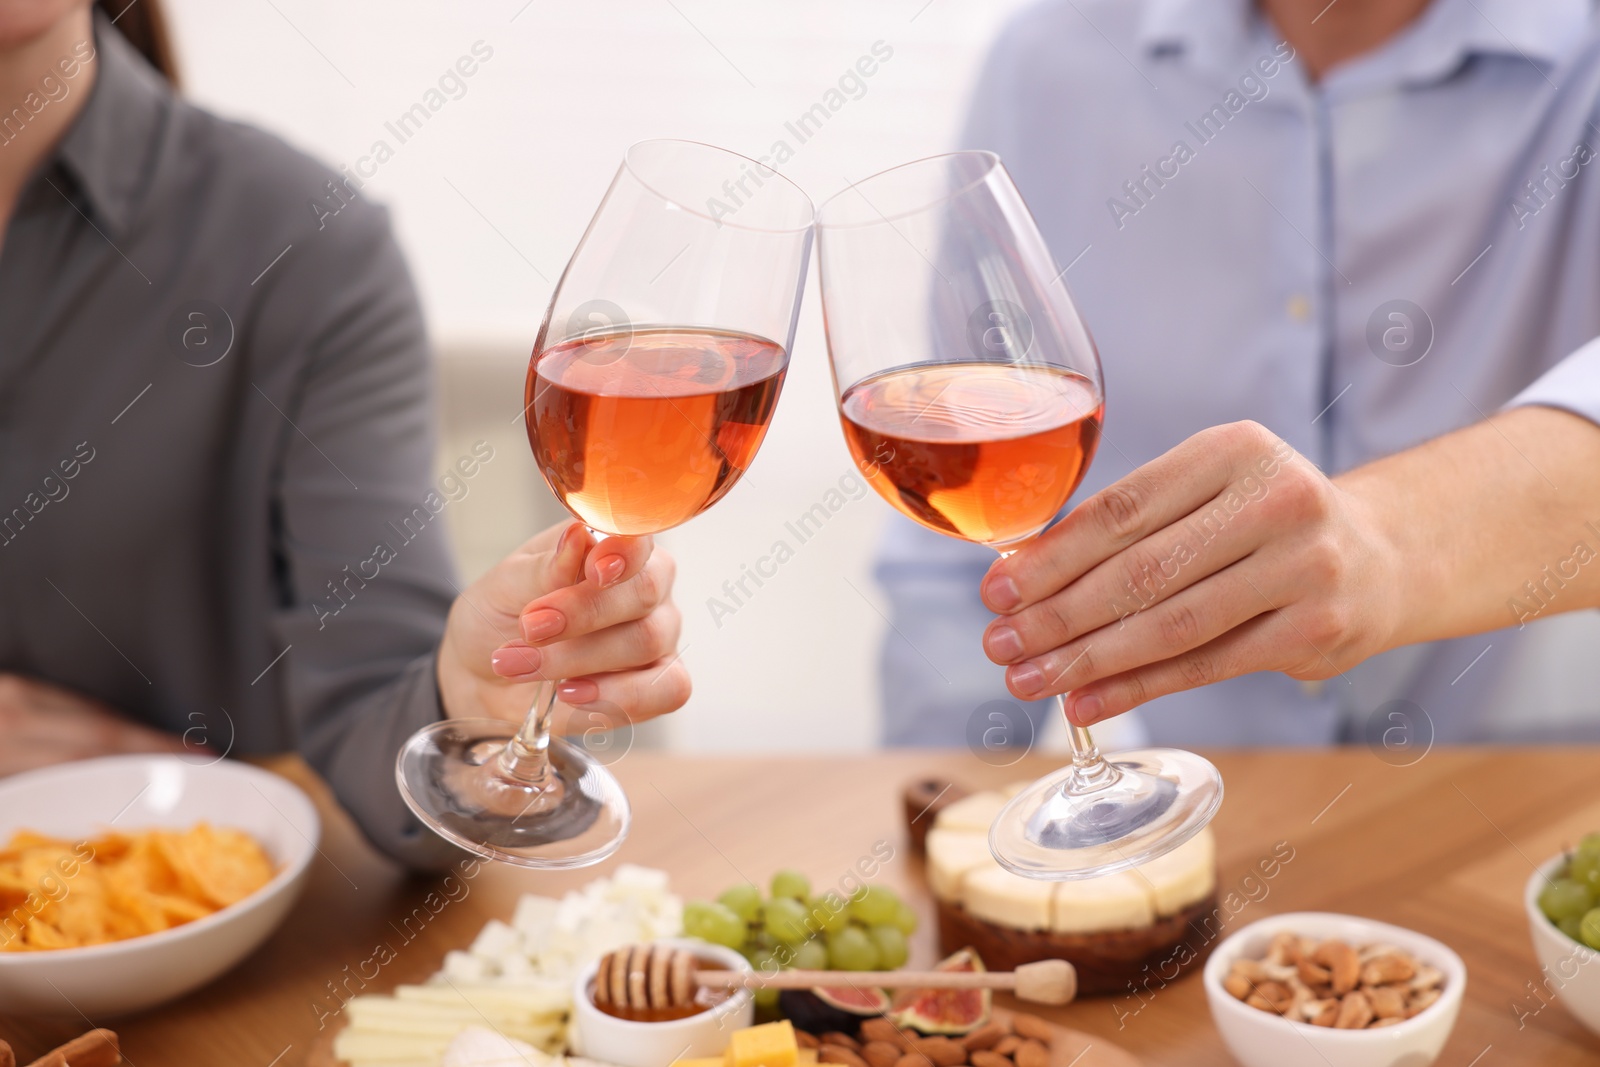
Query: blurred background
[491, 195]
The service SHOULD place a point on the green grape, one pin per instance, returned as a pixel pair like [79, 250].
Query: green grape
[763, 939]
[877, 905]
[1590, 845]
[1589, 929]
[791, 884]
[1585, 870]
[1572, 926]
[786, 920]
[891, 943]
[829, 913]
[1563, 897]
[811, 956]
[767, 999]
[905, 919]
[852, 950]
[744, 900]
[713, 922]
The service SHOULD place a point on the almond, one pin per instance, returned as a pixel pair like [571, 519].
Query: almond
[881, 1053]
[1313, 974]
[985, 1058]
[1421, 1002]
[943, 1051]
[805, 1040]
[840, 1055]
[1342, 963]
[1277, 994]
[1008, 1045]
[881, 1029]
[914, 1059]
[1355, 1012]
[1385, 970]
[1238, 986]
[1328, 1015]
[834, 1037]
[986, 1036]
[1032, 1026]
[1285, 949]
[1033, 1054]
[1387, 1002]
[1391, 1021]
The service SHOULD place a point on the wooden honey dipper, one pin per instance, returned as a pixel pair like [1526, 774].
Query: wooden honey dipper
[657, 977]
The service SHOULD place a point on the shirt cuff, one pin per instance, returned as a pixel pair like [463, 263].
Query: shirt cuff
[1571, 385]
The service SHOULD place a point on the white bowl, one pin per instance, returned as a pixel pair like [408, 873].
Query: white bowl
[1260, 1039]
[632, 1044]
[83, 800]
[1570, 970]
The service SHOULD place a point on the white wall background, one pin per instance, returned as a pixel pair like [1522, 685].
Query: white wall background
[493, 193]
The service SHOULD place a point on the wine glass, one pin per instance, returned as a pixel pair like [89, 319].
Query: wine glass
[651, 385]
[971, 397]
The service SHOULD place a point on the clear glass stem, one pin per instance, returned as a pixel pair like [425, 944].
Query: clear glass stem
[526, 757]
[1090, 769]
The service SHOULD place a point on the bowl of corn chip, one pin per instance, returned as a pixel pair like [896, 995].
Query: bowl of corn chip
[130, 880]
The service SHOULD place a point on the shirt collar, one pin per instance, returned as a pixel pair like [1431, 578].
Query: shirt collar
[108, 150]
[1219, 32]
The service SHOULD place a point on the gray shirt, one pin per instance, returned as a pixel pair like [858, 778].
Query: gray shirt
[216, 446]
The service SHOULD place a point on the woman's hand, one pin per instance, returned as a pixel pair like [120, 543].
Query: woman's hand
[1229, 554]
[597, 616]
[43, 723]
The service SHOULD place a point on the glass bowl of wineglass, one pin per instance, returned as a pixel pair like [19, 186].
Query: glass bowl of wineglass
[971, 397]
[652, 382]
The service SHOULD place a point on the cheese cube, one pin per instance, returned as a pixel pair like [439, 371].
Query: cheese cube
[767, 1045]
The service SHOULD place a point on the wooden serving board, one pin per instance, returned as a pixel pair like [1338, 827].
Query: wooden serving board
[1071, 1048]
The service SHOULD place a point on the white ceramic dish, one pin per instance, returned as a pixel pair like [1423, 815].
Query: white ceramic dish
[1260, 1039]
[630, 1044]
[84, 799]
[1570, 970]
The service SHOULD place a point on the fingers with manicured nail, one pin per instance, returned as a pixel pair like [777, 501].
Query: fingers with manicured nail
[584, 609]
[614, 560]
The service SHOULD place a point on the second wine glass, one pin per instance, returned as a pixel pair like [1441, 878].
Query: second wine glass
[651, 386]
[971, 397]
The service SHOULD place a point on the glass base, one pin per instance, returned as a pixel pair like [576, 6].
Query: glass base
[1068, 826]
[450, 775]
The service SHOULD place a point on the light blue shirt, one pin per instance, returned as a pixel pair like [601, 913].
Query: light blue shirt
[1360, 265]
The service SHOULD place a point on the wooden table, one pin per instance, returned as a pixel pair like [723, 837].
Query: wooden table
[1444, 846]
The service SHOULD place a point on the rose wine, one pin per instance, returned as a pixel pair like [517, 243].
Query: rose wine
[640, 430]
[988, 452]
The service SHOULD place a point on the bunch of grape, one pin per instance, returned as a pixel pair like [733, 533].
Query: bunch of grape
[791, 928]
[1571, 900]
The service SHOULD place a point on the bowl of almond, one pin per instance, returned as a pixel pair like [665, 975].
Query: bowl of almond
[1353, 992]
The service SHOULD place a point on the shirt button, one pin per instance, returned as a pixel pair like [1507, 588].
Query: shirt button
[1299, 308]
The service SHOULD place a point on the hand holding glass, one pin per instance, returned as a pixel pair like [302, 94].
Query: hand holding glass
[971, 397]
[650, 388]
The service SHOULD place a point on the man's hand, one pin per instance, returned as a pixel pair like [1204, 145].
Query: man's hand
[42, 723]
[1229, 554]
[596, 616]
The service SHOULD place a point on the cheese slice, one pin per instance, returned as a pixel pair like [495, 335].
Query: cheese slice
[1184, 876]
[952, 855]
[998, 896]
[1119, 901]
[973, 812]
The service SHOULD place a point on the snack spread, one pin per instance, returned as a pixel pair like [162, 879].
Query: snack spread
[1332, 983]
[516, 977]
[56, 893]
